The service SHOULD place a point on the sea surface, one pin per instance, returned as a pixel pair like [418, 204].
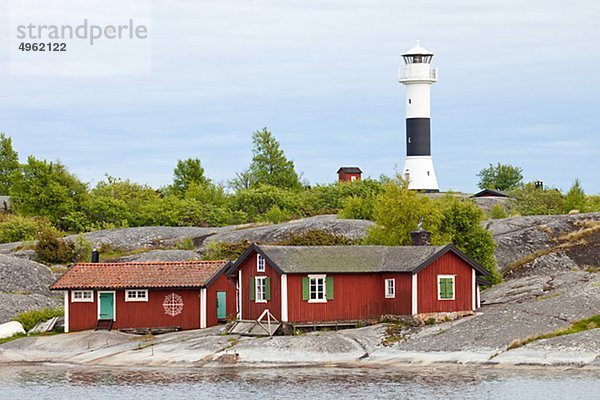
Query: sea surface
[443, 382]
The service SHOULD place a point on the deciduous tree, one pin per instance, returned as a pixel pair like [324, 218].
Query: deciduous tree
[500, 177]
[9, 164]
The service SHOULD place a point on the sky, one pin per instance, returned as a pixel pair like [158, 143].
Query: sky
[518, 84]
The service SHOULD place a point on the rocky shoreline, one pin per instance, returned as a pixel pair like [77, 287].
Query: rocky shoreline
[360, 347]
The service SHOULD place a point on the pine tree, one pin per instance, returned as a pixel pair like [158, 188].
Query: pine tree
[9, 164]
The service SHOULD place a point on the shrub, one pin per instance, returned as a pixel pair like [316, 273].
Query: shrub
[16, 228]
[276, 215]
[30, 318]
[497, 211]
[358, 208]
[225, 250]
[52, 249]
[529, 200]
[185, 244]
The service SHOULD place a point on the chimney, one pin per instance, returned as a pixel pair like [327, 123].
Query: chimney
[539, 185]
[95, 256]
[420, 237]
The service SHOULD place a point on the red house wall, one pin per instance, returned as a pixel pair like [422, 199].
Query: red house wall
[355, 297]
[402, 303]
[139, 314]
[427, 290]
[82, 316]
[221, 284]
[344, 177]
[251, 309]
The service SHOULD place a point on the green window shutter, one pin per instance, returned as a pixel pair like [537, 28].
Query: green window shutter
[252, 287]
[329, 287]
[442, 288]
[449, 289]
[267, 288]
[305, 294]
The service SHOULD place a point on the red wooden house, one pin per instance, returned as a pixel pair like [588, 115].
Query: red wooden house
[337, 283]
[349, 174]
[187, 295]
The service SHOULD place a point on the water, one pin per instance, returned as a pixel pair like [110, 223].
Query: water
[444, 382]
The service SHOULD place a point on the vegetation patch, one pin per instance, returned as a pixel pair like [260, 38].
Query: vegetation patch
[316, 237]
[576, 327]
[30, 318]
[394, 332]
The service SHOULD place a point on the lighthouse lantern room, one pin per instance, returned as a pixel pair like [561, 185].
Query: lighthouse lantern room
[418, 76]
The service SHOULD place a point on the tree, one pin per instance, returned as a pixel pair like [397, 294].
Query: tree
[47, 189]
[186, 173]
[9, 164]
[269, 165]
[397, 212]
[461, 225]
[450, 220]
[575, 198]
[500, 177]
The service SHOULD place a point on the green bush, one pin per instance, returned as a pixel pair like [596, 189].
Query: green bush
[497, 211]
[225, 250]
[16, 228]
[529, 200]
[276, 215]
[358, 208]
[30, 318]
[185, 244]
[50, 248]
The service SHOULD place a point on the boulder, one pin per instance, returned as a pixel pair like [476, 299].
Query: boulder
[10, 329]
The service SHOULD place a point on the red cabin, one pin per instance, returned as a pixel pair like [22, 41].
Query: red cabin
[349, 174]
[182, 295]
[351, 283]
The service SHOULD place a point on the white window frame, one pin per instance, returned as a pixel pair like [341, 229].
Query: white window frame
[323, 292]
[392, 294]
[136, 293]
[263, 293]
[83, 299]
[260, 263]
[453, 277]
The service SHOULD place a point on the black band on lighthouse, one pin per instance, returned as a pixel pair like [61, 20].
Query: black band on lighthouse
[418, 142]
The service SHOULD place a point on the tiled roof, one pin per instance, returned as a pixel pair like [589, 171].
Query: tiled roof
[180, 274]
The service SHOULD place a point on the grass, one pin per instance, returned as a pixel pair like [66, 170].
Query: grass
[576, 327]
[587, 228]
[548, 296]
[30, 318]
[22, 335]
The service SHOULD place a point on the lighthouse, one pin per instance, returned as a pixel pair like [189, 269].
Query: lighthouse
[418, 76]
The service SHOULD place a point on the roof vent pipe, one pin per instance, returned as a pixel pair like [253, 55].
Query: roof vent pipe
[95, 256]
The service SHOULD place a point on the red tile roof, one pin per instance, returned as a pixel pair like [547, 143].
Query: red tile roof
[180, 274]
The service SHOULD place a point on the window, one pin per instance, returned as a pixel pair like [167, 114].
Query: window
[316, 289]
[260, 289]
[260, 263]
[390, 288]
[353, 178]
[82, 296]
[136, 295]
[445, 287]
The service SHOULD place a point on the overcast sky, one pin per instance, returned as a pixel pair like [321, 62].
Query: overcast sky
[519, 83]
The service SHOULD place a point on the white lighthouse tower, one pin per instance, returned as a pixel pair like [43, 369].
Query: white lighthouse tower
[418, 77]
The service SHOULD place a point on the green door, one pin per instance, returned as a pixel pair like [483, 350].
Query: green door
[107, 301]
[221, 305]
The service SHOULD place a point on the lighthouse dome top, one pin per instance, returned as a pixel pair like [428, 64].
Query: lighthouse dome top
[417, 51]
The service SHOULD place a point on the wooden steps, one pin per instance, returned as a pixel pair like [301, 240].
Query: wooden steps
[104, 325]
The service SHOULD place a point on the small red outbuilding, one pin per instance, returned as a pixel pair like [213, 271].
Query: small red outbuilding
[186, 295]
[337, 283]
